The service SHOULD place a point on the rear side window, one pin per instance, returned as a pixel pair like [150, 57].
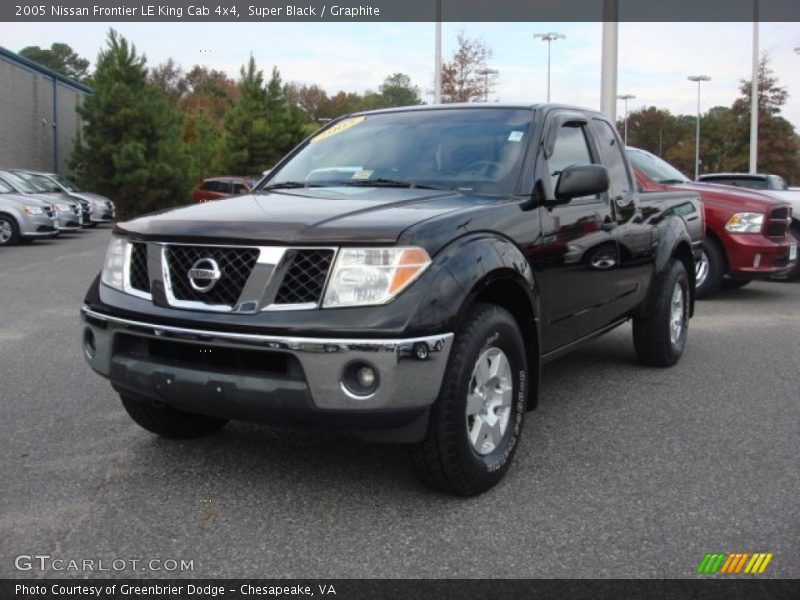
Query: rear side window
[225, 187]
[612, 153]
[209, 186]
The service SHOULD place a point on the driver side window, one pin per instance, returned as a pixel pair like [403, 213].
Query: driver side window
[571, 148]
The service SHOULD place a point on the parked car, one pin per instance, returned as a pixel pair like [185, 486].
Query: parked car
[67, 214]
[103, 209]
[215, 188]
[23, 219]
[45, 185]
[747, 235]
[771, 185]
[412, 300]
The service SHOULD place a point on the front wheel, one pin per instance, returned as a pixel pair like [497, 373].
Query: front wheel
[477, 420]
[660, 336]
[9, 231]
[170, 422]
[709, 270]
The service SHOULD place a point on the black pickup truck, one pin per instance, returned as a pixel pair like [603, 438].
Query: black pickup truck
[402, 274]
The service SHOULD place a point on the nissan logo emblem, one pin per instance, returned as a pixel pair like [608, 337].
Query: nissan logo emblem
[204, 274]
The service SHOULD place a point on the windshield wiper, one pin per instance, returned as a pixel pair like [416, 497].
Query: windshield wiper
[381, 182]
[668, 181]
[288, 185]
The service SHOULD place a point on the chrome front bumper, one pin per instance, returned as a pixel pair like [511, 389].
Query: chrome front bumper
[410, 370]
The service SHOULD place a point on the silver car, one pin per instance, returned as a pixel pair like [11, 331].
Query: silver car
[68, 215]
[45, 186]
[103, 209]
[23, 218]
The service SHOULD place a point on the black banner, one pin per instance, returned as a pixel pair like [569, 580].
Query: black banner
[350, 589]
[400, 11]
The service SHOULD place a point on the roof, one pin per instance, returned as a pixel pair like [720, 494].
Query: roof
[478, 105]
[29, 65]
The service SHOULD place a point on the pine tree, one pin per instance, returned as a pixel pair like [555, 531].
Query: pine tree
[131, 148]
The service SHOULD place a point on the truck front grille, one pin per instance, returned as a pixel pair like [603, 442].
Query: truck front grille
[235, 265]
[777, 222]
[139, 276]
[305, 278]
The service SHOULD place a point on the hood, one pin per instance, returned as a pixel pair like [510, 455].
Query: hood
[313, 216]
[89, 196]
[19, 198]
[745, 199]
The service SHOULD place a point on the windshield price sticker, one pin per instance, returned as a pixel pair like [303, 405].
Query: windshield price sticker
[338, 128]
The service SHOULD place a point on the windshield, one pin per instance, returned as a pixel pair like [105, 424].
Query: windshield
[478, 149]
[19, 183]
[655, 168]
[67, 184]
[40, 182]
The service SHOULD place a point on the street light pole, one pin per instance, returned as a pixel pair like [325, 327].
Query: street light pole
[625, 98]
[437, 60]
[549, 38]
[486, 74]
[754, 96]
[699, 79]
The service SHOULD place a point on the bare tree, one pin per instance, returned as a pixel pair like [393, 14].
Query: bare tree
[466, 77]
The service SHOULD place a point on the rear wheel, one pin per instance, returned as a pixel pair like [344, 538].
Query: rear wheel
[477, 420]
[170, 422]
[660, 337]
[9, 231]
[710, 269]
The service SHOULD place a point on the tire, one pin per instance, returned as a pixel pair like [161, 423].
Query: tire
[794, 274]
[9, 231]
[734, 284]
[170, 422]
[448, 459]
[660, 337]
[710, 269]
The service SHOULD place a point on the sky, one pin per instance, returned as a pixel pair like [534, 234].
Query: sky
[654, 58]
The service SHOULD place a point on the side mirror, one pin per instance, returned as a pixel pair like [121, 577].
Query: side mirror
[581, 180]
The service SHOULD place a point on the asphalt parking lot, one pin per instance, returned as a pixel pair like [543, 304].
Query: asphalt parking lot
[622, 472]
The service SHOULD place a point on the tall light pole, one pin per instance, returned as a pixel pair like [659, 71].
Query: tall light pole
[625, 98]
[754, 96]
[549, 38]
[699, 79]
[486, 74]
[437, 60]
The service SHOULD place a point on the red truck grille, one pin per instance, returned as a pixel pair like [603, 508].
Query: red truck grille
[777, 222]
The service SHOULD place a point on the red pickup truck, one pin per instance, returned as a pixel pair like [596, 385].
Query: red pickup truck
[746, 232]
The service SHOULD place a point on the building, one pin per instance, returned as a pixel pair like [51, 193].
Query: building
[38, 119]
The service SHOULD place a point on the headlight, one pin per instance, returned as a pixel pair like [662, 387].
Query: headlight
[363, 276]
[32, 210]
[745, 223]
[62, 207]
[114, 263]
[99, 204]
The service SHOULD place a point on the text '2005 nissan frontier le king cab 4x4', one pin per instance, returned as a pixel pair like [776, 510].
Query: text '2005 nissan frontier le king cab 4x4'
[402, 274]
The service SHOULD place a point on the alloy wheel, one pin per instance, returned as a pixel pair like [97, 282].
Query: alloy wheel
[489, 400]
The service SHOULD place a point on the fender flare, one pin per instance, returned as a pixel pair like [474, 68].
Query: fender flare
[477, 261]
[672, 233]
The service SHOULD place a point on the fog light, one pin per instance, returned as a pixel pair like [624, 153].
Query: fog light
[360, 379]
[89, 347]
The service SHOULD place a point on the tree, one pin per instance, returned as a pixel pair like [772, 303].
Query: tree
[397, 90]
[131, 148]
[168, 77]
[260, 127]
[778, 143]
[61, 58]
[465, 77]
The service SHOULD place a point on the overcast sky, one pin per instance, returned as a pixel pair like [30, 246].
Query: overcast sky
[654, 58]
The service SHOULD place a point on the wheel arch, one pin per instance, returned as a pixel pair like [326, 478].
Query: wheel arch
[493, 270]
